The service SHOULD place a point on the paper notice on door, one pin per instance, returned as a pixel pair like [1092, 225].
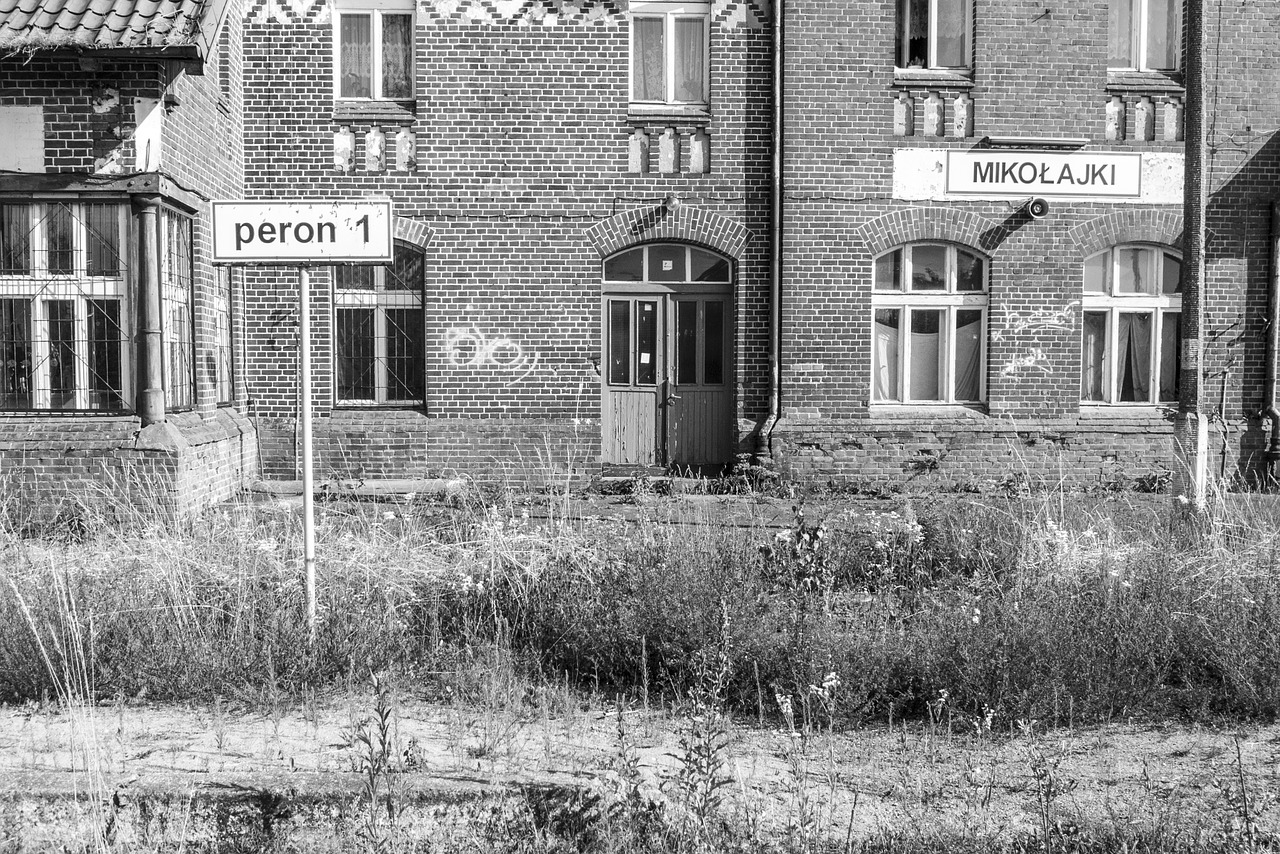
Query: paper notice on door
[644, 358]
[668, 264]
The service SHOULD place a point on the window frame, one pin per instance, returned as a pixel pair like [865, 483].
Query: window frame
[1139, 32]
[375, 10]
[949, 301]
[669, 13]
[40, 287]
[902, 44]
[1158, 306]
[379, 298]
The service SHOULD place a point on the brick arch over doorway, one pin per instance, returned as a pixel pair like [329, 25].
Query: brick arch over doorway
[684, 224]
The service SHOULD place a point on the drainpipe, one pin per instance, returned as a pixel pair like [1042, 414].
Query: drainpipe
[150, 383]
[1271, 410]
[775, 240]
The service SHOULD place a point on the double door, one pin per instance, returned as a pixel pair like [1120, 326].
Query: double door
[668, 377]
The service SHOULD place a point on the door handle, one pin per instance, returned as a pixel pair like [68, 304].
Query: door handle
[671, 398]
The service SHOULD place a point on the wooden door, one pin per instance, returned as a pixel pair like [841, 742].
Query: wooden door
[699, 410]
[634, 380]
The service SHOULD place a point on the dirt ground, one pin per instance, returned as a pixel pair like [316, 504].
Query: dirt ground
[949, 775]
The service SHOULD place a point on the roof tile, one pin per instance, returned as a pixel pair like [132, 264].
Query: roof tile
[36, 24]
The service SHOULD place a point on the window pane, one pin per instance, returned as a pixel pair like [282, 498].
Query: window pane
[1164, 33]
[397, 56]
[619, 342]
[1172, 283]
[355, 346]
[406, 272]
[888, 276]
[355, 42]
[406, 378]
[646, 343]
[885, 377]
[60, 244]
[713, 341]
[15, 237]
[103, 239]
[689, 61]
[707, 267]
[353, 278]
[175, 297]
[627, 267]
[928, 268]
[1133, 347]
[105, 339]
[686, 343]
[1170, 355]
[926, 345]
[968, 272]
[1135, 270]
[1120, 34]
[913, 21]
[649, 80]
[666, 263]
[1095, 273]
[62, 353]
[15, 354]
[224, 362]
[1094, 383]
[952, 28]
[968, 337]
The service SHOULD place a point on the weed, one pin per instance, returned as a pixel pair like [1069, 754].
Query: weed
[379, 763]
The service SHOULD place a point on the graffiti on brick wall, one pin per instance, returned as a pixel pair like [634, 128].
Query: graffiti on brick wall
[468, 347]
[1041, 320]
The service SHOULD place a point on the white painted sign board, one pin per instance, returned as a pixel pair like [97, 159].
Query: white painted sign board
[1044, 173]
[302, 232]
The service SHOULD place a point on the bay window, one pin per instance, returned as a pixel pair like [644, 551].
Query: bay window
[1145, 35]
[1130, 343]
[935, 34]
[929, 306]
[379, 350]
[669, 53]
[373, 49]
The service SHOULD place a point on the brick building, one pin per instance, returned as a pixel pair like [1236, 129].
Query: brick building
[587, 271]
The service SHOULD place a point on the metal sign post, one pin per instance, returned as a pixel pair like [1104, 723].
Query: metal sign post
[300, 233]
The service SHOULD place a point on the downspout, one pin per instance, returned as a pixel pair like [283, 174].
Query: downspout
[1271, 409]
[775, 241]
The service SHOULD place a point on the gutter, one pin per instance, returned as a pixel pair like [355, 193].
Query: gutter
[1271, 408]
[775, 241]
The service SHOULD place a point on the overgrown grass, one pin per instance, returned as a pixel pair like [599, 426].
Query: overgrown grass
[1062, 608]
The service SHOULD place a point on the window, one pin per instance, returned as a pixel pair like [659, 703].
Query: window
[1130, 345]
[935, 34]
[64, 317]
[378, 330]
[669, 53]
[373, 50]
[176, 322]
[222, 365]
[929, 330]
[1145, 35]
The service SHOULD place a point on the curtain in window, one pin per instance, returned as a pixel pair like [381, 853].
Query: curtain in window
[1093, 380]
[1120, 34]
[1164, 33]
[1134, 347]
[649, 80]
[886, 356]
[968, 354]
[689, 60]
[60, 244]
[397, 56]
[913, 18]
[953, 24]
[15, 237]
[355, 55]
[926, 341]
[1170, 355]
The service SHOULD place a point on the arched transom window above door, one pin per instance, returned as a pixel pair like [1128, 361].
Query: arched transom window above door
[668, 263]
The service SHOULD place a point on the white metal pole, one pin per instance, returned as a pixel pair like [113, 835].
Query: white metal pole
[308, 473]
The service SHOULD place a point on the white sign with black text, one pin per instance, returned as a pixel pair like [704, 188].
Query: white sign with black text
[1043, 173]
[301, 232]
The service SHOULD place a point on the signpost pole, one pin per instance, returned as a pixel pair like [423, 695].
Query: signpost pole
[308, 473]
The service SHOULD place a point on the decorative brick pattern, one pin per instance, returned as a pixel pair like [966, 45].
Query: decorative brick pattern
[1128, 226]
[642, 225]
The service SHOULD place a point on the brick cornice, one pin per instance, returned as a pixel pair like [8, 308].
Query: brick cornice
[685, 223]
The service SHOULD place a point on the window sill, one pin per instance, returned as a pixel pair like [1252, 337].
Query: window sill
[1127, 412]
[917, 411]
[380, 112]
[357, 406]
[1145, 81]
[932, 77]
[651, 114]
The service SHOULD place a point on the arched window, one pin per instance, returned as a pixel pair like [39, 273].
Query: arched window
[1132, 325]
[929, 337]
[379, 355]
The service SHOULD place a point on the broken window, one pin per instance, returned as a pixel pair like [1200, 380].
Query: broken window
[1131, 330]
[935, 34]
[1145, 35]
[64, 311]
[373, 50]
[669, 52]
[379, 345]
[929, 307]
